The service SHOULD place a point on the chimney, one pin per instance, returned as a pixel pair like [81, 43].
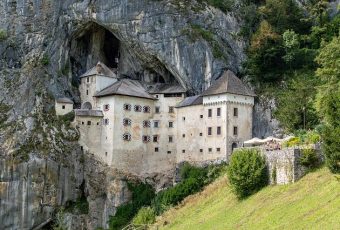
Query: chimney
[99, 68]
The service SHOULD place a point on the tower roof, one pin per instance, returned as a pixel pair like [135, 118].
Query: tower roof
[125, 87]
[100, 69]
[189, 101]
[164, 88]
[228, 83]
[64, 100]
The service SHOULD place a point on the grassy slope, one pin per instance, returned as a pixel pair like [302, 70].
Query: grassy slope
[311, 203]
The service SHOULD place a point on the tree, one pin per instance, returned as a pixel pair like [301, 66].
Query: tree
[291, 43]
[247, 172]
[328, 101]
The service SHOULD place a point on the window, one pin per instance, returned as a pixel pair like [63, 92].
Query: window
[218, 149]
[155, 138]
[210, 150]
[183, 118]
[146, 139]
[209, 112]
[171, 109]
[171, 139]
[146, 124]
[87, 79]
[209, 131]
[87, 92]
[97, 123]
[82, 123]
[156, 124]
[183, 151]
[127, 107]
[106, 107]
[146, 109]
[157, 109]
[201, 116]
[218, 113]
[169, 152]
[183, 135]
[137, 108]
[171, 124]
[88, 122]
[219, 130]
[63, 107]
[201, 150]
[106, 154]
[127, 137]
[81, 148]
[235, 112]
[106, 121]
[156, 149]
[126, 122]
[201, 134]
[235, 130]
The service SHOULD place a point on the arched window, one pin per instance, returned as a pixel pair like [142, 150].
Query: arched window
[146, 109]
[138, 108]
[146, 124]
[146, 139]
[127, 107]
[127, 137]
[126, 122]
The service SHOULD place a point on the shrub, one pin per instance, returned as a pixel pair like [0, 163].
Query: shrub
[145, 215]
[331, 147]
[3, 35]
[309, 158]
[45, 60]
[247, 172]
[294, 141]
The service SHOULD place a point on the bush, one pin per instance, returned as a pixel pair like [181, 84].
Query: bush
[309, 158]
[45, 60]
[331, 147]
[294, 141]
[3, 35]
[145, 215]
[247, 172]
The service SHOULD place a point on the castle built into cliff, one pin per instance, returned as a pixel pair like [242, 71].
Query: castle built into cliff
[144, 128]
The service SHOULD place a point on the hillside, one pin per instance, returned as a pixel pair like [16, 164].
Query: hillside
[311, 203]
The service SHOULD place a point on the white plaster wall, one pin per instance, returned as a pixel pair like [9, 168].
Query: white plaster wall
[59, 108]
[227, 97]
[91, 87]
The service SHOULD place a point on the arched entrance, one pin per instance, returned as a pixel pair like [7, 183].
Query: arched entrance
[233, 146]
[86, 105]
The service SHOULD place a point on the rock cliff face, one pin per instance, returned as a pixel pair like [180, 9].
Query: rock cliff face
[46, 45]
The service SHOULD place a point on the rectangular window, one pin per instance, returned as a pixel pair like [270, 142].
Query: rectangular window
[171, 139]
[155, 138]
[169, 152]
[106, 121]
[201, 150]
[63, 107]
[219, 130]
[87, 92]
[82, 123]
[171, 109]
[183, 118]
[218, 149]
[88, 122]
[209, 112]
[183, 135]
[218, 113]
[210, 150]
[209, 131]
[88, 79]
[201, 116]
[156, 124]
[201, 134]
[157, 109]
[106, 107]
[235, 112]
[156, 149]
[235, 130]
[183, 151]
[171, 124]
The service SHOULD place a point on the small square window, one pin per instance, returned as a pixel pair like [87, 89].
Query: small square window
[157, 109]
[218, 149]
[82, 123]
[146, 124]
[169, 152]
[88, 122]
[171, 138]
[146, 139]
[156, 124]
[127, 107]
[210, 150]
[171, 124]
[157, 96]
[183, 118]
[201, 134]
[106, 154]
[137, 108]
[218, 113]
[171, 109]
[146, 109]
[155, 138]
[235, 130]
[235, 112]
[183, 151]
[209, 131]
[201, 150]
[219, 130]
[97, 123]
[183, 135]
[63, 107]
[201, 116]
[156, 149]
[209, 112]
[106, 107]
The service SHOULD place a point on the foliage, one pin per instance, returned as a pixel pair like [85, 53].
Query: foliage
[59, 221]
[247, 172]
[145, 215]
[291, 43]
[142, 194]
[80, 206]
[331, 147]
[3, 35]
[45, 60]
[224, 5]
[309, 158]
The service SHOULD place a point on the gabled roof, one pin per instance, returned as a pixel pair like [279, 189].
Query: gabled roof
[165, 88]
[125, 87]
[228, 83]
[88, 113]
[64, 100]
[100, 69]
[189, 101]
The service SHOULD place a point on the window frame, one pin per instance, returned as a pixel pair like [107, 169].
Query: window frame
[218, 112]
[235, 112]
[209, 113]
[127, 107]
[127, 122]
[209, 131]
[235, 130]
[128, 135]
[218, 130]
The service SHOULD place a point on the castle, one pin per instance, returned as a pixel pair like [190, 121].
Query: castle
[143, 128]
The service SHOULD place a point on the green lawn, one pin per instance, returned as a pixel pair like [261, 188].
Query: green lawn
[311, 203]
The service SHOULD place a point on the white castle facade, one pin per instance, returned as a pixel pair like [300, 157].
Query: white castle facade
[145, 128]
